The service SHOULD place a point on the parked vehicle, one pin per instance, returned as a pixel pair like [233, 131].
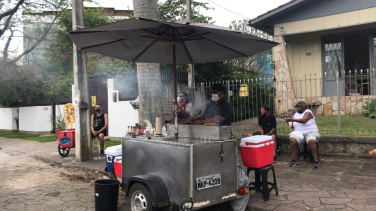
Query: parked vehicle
[190, 172]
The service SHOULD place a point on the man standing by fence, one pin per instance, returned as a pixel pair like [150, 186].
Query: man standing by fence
[268, 125]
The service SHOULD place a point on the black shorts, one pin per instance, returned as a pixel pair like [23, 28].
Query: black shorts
[104, 133]
[274, 133]
[258, 133]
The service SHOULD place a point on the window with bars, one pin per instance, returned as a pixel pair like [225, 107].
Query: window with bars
[333, 60]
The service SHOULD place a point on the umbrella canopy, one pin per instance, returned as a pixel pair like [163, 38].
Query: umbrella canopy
[152, 41]
[149, 41]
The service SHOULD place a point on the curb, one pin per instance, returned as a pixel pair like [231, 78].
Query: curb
[59, 165]
[251, 208]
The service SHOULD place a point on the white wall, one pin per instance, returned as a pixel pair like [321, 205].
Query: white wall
[35, 118]
[120, 114]
[7, 118]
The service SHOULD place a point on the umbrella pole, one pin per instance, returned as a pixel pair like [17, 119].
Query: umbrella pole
[175, 91]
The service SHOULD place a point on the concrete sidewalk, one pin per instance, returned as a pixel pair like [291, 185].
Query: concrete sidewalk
[339, 184]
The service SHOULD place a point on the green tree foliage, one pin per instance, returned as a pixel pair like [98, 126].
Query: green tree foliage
[19, 84]
[59, 74]
[61, 52]
[222, 70]
[259, 61]
[177, 10]
[61, 47]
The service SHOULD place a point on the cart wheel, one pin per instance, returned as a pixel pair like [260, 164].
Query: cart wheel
[63, 151]
[139, 199]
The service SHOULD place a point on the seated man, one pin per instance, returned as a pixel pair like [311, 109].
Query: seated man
[99, 123]
[305, 129]
[218, 110]
[268, 125]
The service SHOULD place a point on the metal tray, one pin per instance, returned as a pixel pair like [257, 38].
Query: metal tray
[201, 132]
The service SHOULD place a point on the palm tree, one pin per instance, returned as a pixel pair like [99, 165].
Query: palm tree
[148, 75]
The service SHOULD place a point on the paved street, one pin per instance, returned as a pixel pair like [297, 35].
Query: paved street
[31, 179]
[30, 184]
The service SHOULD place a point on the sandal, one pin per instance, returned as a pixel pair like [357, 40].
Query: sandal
[373, 152]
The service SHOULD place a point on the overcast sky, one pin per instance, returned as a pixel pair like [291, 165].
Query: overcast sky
[224, 11]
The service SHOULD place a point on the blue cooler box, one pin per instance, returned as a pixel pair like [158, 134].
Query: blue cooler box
[111, 153]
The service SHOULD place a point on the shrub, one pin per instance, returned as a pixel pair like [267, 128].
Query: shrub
[369, 109]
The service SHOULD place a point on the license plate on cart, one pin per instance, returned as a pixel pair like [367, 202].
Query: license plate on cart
[208, 181]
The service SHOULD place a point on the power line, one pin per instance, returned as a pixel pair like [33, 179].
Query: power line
[228, 10]
[103, 3]
[122, 3]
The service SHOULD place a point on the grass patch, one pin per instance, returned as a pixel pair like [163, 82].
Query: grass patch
[26, 136]
[108, 143]
[351, 125]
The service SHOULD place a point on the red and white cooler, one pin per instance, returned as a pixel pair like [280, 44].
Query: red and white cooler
[257, 151]
[117, 167]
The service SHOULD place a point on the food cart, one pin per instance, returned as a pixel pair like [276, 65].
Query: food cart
[195, 170]
[199, 167]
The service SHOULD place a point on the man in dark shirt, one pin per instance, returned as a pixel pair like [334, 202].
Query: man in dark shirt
[268, 125]
[99, 123]
[218, 110]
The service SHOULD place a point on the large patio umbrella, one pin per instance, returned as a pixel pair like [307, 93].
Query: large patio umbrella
[174, 42]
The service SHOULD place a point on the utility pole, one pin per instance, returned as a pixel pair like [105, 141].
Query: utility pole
[189, 8]
[82, 112]
[191, 74]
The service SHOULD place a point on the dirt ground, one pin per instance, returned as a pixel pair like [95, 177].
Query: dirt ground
[29, 184]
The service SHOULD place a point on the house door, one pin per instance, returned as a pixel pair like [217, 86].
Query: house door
[372, 53]
[333, 63]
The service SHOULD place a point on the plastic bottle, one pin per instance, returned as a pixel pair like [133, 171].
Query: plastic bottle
[164, 131]
[148, 130]
[152, 130]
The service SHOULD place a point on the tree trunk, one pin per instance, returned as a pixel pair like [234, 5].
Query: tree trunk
[148, 75]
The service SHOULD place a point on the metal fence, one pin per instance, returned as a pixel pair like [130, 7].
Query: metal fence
[343, 104]
[181, 73]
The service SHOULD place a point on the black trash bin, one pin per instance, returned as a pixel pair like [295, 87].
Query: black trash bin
[106, 194]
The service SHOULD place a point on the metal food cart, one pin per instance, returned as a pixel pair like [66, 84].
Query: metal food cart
[198, 169]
